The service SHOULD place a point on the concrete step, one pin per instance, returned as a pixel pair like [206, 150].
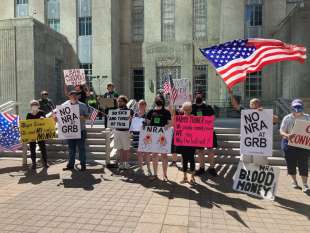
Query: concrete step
[227, 130]
[89, 155]
[91, 148]
[89, 141]
[236, 144]
[228, 137]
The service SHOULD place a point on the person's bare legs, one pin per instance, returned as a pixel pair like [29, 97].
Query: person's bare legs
[174, 159]
[164, 159]
[155, 163]
[140, 159]
[126, 158]
[304, 180]
[211, 169]
[201, 160]
[147, 159]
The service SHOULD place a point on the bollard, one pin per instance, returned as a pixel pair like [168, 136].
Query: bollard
[107, 146]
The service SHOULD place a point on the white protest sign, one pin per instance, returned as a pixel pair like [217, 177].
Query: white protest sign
[68, 119]
[118, 119]
[257, 180]
[256, 132]
[136, 124]
[155, 139]
[300, 135]
[74, 77]
[183, 88]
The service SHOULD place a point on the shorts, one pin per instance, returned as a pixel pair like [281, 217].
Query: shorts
[122, 140]
[297, 157]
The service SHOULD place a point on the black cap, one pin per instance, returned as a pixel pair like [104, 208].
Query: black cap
[73, 92]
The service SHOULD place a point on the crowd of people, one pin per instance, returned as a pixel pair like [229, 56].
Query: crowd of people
[162, 116]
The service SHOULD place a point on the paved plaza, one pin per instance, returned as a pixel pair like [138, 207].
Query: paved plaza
[99, 200]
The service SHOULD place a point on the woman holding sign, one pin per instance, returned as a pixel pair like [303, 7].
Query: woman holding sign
[37, 114]
[161, 117]
[295, 157]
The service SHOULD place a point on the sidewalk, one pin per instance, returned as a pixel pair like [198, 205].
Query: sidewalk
[97, 201]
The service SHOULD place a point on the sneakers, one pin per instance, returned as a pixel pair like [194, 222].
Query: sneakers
[295, 185]
[200, 171]
[212, 171]
[149, 172]
[305, 189]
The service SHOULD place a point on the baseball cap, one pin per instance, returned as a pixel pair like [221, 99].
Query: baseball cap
[297, 105]
[73, 92]
[34, 102]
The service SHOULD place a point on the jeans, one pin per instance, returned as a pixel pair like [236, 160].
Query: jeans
[73, 143]
[42, 149]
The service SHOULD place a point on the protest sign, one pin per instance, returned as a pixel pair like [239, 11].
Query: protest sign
[257, 180]
[194, 131]
[68, 118]
[106, 102]
[136, 124]
[183, 91]
[300, 135]
[74, 77]
[155, 140]
[256, 132]
[37, 129]
[118, 119]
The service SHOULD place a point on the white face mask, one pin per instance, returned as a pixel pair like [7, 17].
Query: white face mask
[35, 108]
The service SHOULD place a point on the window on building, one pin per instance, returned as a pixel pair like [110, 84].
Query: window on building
[253, 85]
[168, 20]
[137, 20]
[88, 69]
[162, 72]
[200, 80]
[253, 18]
[85, 25]
[21, 8]
[53, 14]
[138, 84]
[200, 19]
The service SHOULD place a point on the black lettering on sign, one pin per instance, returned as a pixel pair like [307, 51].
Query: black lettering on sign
[255, 142]
[64, 111]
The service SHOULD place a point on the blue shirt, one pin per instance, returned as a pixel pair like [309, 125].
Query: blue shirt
[84, 111]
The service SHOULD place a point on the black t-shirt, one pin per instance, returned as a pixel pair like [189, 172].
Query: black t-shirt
[159, 117]
[39, 115]
[202, 110]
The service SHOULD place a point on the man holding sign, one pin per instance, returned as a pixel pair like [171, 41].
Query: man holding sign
[295, 156]
[71, 125]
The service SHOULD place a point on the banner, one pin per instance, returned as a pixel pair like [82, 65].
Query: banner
[256, 132]
[37, 129]
[68, 119]
[300, 135]
[106, 102]
[118, 119]
[194, 131]
[74, 77]
[155, 140]
[257, 180]
[183, 88]
[136, 124]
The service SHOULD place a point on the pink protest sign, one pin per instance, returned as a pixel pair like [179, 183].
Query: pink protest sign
[196, 131]
[74, 77]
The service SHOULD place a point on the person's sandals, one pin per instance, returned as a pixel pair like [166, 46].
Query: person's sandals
[295, 185]
[192, 181]
[165, 179]
[155, 177]
[184, 181]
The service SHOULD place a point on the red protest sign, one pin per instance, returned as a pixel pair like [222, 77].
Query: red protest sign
[74, 77]
[196, 131]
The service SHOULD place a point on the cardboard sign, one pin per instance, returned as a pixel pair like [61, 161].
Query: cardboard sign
[256, 132]
[136, 124]
[37, 129]
[118, 119]
[155, 140]
[300, 135]
[194, 131]
[183, 88]
[68, 119]
[106, 102]
[257, 180]
[74, 77]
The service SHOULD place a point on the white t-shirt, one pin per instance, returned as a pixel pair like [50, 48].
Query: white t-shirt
[288, 122]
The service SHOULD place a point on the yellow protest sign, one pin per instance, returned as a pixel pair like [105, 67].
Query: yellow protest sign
[37, 129]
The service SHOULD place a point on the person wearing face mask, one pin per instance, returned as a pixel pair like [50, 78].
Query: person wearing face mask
[295, 157]
[161, 117]
[46, 104]
[37, 114]
[202, 109]
[80, 143]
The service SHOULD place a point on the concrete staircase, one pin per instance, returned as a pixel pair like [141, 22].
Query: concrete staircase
[99, 144]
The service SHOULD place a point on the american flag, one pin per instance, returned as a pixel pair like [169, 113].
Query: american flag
[9, 132]
[93, 115]
[233, 60]
[169, 88]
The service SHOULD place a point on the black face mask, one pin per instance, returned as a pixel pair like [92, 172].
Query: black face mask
[198, 100]
[159, 103]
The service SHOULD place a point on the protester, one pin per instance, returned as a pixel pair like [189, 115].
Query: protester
[110, 94]
[295, 157]
[37, 114]
[46, 104]
[122, 136]
[199, 108]
[160, 117]
[174, 111]
[135, 142]
[187, 152]
[237, 107]
[92, 100]
[80, 143]
[82, 92]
